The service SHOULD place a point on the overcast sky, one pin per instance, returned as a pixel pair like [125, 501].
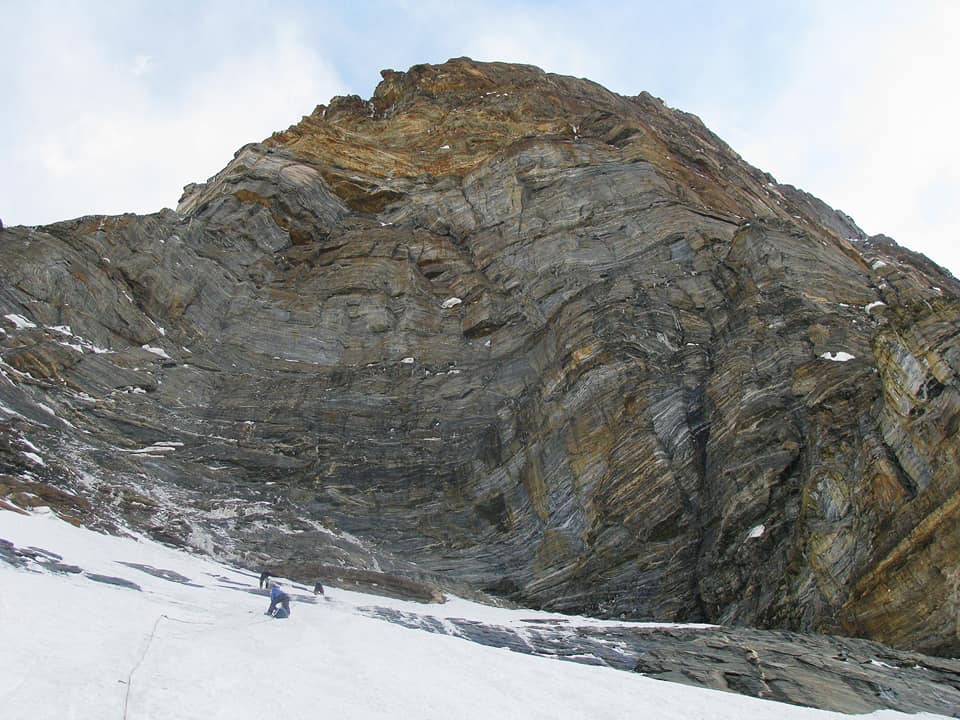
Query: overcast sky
[114, 106]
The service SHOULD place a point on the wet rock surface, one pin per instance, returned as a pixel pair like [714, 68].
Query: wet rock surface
[504, 330]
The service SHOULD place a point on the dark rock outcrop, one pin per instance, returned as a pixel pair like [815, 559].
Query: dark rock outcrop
[506, 329]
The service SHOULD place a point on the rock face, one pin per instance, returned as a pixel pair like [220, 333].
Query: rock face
[501, 329]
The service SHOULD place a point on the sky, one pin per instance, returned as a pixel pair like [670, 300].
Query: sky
[113, 107]
[199, 648]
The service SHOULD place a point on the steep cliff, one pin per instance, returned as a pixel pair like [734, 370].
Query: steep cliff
[513, 330]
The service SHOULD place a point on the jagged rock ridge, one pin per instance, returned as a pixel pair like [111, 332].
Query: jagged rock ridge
[512, 330]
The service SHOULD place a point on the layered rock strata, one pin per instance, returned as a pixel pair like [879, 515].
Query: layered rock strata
[506, 330]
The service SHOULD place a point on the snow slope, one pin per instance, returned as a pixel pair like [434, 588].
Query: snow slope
[202, 648]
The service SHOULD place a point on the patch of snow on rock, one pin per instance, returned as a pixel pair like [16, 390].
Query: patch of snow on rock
[73, 346]
[19, 321]
[838, 356]
[35, 458]
[156, 351]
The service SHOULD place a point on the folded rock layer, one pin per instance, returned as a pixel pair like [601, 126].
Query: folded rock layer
[505, 330]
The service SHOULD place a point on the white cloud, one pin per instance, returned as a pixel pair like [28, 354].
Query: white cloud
[101, 138]
[532, 38]
[865, 121]
[552, 37]
[142, 64]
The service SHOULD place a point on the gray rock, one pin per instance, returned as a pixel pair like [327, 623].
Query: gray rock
[112, 580]
[9, 554]
[170, 575]
[671, 388]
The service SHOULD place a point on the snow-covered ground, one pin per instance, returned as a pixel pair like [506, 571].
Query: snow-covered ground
[199, 646]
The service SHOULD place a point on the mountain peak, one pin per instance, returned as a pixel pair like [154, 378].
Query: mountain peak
[448, 119]
[444, 119]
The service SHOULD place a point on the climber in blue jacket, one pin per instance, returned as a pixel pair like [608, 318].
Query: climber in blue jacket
[279, 602]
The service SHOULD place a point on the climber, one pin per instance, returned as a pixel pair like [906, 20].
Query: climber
[265, 579]
[278, 598]
[318, 589]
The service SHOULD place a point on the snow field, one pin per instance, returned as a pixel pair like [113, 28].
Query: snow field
[74, 648]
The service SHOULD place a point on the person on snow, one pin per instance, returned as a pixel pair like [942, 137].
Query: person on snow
[279, 602]
[265, 579]
[318, 589]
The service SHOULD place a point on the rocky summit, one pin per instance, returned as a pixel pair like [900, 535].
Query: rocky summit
[503, 332]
